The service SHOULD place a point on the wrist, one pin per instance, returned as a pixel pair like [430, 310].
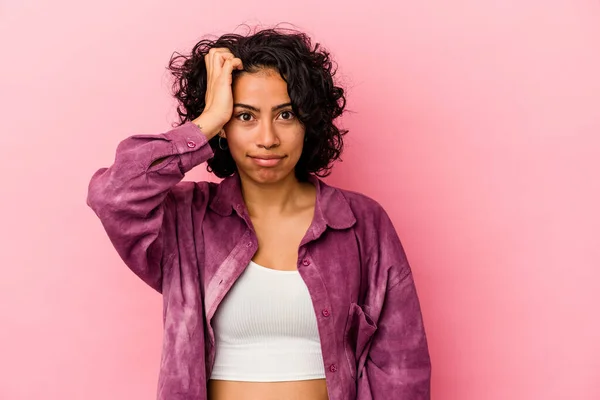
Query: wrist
[209, 125]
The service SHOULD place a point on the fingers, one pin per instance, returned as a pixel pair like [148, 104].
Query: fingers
[216, 57]
[215, 62]
[219, 58]
[220, 63]
[231, 64]
[211, 60]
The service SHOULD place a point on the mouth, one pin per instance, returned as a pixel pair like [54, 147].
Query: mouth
[269, 160]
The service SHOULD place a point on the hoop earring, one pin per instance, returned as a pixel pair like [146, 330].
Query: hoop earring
[221, 144]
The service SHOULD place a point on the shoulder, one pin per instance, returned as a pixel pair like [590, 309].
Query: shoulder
[371, 219]
[365, 208]
[378, 240]
[377, 235]
[373, 225]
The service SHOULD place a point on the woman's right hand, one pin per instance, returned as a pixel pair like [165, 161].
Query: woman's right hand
[220, 63]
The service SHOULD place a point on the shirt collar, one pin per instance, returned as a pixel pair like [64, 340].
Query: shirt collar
[331, 208]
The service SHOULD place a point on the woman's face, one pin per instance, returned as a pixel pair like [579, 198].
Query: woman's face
[264, 136]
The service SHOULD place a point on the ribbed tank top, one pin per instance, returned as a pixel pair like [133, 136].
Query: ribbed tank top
[266, 329]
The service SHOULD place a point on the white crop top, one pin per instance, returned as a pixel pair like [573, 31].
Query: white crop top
[266, 329]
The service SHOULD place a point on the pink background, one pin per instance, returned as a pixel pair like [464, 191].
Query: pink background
[476, 125]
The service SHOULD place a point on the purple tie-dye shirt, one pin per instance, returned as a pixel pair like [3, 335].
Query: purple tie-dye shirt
[190, 241]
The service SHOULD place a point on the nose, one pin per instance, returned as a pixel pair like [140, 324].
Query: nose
[267, 136]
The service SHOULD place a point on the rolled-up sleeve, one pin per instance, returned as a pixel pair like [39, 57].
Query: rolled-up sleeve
[131, 196]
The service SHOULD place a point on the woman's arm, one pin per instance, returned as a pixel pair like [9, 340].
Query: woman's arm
[397, 365]
[131, 196]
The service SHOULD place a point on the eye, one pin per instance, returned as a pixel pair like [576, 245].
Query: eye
[287, 114]
[244, 116]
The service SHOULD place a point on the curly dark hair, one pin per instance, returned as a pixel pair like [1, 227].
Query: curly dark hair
[308, 72]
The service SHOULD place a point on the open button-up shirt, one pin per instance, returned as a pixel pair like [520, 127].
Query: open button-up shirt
[190, 241]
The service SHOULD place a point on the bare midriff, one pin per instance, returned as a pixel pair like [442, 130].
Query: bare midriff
[314, 389]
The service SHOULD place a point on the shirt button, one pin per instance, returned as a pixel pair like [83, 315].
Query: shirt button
[191, 144]
[325, 312]
[248, 244]
[333, 368]
[306, 262]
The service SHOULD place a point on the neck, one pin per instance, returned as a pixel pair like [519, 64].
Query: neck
[271, 198]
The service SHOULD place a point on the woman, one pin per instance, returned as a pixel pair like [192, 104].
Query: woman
[275, 284]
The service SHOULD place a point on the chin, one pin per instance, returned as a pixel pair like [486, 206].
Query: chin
[268, 175]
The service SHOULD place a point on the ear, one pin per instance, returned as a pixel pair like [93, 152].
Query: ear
[222, 133]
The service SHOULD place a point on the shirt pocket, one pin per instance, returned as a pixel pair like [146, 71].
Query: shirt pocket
[359, 332]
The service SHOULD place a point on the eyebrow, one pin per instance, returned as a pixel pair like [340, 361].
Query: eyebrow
[275, 108]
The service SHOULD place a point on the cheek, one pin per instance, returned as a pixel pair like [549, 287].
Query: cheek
[236, 144]
[298, 150]
[298, 145]
[238, 153]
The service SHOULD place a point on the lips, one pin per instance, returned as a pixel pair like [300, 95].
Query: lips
[267, 157]
[268, 160]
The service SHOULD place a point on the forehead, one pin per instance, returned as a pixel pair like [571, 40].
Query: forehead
[263, 86]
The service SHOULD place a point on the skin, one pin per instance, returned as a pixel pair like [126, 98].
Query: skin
[255, 116]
